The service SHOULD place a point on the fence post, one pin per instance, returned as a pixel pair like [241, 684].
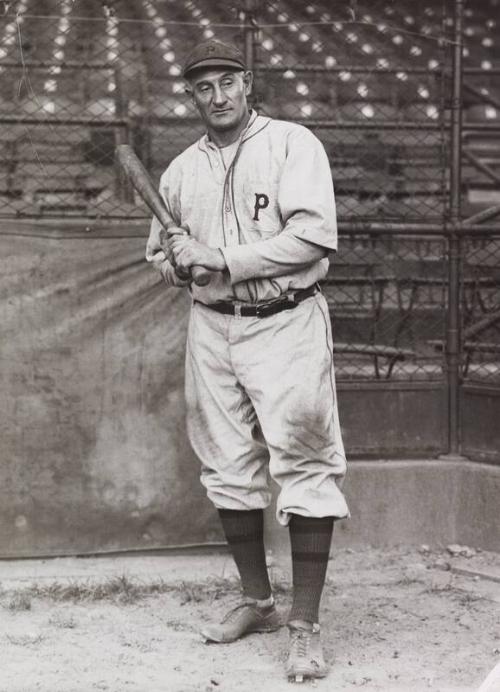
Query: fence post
[249, 33]
[453, 343]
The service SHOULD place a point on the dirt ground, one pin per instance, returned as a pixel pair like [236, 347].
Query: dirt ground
[401, 620]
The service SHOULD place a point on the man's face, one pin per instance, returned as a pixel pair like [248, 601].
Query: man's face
[220, 94]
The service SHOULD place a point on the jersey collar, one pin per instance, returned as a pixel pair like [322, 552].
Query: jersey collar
[255, 124]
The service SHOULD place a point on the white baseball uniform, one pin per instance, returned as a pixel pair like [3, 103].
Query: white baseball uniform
[261, 391]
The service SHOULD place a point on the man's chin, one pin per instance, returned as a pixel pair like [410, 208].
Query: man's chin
[221, 125]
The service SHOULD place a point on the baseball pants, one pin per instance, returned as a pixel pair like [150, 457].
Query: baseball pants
[261, 400]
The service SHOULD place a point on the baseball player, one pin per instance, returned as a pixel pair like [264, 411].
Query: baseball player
[252, 201]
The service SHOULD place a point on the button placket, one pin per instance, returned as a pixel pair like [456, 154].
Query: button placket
[217, 165]
[229, 221]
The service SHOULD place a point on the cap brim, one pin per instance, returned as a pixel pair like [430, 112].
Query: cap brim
[214, 62]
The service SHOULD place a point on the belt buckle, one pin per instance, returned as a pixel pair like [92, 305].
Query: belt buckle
[264, 310]
[275, 306]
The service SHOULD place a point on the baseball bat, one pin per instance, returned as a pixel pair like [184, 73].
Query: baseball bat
[138, 176]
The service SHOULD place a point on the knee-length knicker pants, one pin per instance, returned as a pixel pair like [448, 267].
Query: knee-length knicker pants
[261, 399]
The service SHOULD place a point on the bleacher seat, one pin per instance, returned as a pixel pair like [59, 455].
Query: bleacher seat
[368, 111]
[482, 113]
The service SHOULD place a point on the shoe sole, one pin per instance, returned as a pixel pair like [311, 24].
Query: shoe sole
[301, 677]
[306, 674]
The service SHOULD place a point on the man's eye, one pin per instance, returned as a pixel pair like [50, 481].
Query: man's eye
[227, 83]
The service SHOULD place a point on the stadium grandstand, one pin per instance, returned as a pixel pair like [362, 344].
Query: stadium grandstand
[373, 80]
[78, 77]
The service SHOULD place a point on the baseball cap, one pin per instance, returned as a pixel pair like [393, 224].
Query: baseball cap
[214, 53]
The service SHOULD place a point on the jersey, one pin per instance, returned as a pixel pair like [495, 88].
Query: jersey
[274, 191]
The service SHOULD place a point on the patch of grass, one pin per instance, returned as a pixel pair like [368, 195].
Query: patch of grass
[177, 625]
[29, 639]
[140, 645]
[191, 593]
[65, 622]
[121, 589]
[455, 593]
[19, 602]
[124, 590]
[438, 588]
[212, 590]
[407, 580]
[218, 588]
[465, 598]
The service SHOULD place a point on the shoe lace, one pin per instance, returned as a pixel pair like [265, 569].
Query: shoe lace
[301, 640]
[234, 612]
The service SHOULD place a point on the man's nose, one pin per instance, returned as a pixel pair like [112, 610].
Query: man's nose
[219, 96]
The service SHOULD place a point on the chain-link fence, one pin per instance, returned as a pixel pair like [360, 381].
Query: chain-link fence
[369, 81]
[373, 80]
[81, 76]
[388, 300]
[480, 289]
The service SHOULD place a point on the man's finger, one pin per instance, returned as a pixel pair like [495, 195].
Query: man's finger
[170, 254]
[182, 256]
[176, 231]
[183, 260]
[157, 257]
[160, 256]
[152, 251]
[173, 277]
[178, 240]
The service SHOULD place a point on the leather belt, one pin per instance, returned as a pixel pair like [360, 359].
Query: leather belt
[288, 301]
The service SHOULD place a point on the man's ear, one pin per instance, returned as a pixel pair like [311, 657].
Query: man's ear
[248, 82]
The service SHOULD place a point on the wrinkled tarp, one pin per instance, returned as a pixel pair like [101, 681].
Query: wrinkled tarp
[93, 450]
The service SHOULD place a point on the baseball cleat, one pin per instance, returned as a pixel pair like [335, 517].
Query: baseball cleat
[305, 655]
[240, 621]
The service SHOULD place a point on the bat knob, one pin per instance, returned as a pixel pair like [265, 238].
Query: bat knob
[201, 276]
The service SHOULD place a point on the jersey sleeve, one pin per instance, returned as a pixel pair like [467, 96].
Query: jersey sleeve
[306, 197]
[265, 259]
[307, 205]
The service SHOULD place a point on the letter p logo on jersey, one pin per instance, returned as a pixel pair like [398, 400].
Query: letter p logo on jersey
[261, 202]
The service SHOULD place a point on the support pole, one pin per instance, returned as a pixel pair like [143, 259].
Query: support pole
[453, 346]
[249, 33]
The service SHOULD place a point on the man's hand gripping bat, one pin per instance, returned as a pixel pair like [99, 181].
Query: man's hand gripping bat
[141, 181]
